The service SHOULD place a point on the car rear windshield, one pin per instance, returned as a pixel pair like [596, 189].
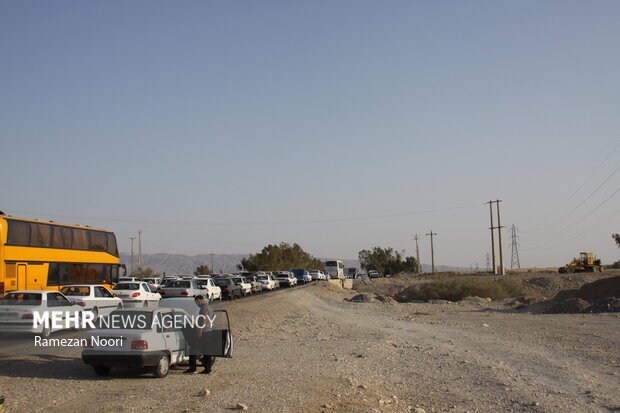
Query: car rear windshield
[331, 264]
[127, 320]
[76, 291]
[21, 299]
[222, 282]
[127, 286]
[179, 284]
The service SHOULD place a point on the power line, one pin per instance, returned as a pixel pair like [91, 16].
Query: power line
[232, 223]
[552, 224]
[588, 179]
[545, 246]
[578, 235]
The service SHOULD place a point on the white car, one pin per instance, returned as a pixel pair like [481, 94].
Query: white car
[246, 287]
[211, 290]
[180, 288]
[136, 294]
[18, 310]
[154, 281]
[152, 338]
[286, 278]
[268, 281]
[127, 279]
[93, 298]
[317, 275]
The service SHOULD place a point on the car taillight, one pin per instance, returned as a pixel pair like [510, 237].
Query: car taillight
[28, 316]
[88, 343]
[184, 293]
[135, 294]
[1, 288]
[225, 288]
[81, 303]
[139, 345]
[162, 292]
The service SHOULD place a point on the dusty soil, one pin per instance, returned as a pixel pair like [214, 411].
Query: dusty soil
[308, 350]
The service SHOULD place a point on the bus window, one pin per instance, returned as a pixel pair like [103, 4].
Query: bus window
[19, 233]
[40, 235]
[94, 273]
[98, 241]
[62, 237]
[80, 239]
[112, 248]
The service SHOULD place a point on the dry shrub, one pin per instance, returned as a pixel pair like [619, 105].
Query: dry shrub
[455, 289]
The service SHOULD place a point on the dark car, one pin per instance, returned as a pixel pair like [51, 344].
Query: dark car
[229, 288]
[302, 275]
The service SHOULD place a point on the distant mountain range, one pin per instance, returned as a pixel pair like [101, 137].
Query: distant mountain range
[187, 264]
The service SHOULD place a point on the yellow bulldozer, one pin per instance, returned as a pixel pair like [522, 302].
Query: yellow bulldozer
[585, 263]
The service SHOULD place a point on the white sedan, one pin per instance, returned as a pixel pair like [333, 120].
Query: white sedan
[136, 294]
[93, 298]
[246, 286]
[211, 290]
[19, 311]
[268, 281]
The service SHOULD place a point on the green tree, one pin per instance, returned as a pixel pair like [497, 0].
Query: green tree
[386, 261]
[616, 238]
[280, 257]
[147, 272]
[202, 269]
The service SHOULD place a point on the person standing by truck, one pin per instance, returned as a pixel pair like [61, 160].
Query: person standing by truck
[197, 339]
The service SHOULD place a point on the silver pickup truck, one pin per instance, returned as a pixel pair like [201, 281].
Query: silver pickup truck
[152, 337]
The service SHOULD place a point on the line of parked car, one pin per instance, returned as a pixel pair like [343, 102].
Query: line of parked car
[17, 308]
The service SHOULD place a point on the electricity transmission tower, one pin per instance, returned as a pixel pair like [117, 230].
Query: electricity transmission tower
[514, 245]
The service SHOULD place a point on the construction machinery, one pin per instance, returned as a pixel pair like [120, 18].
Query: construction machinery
[585, 263]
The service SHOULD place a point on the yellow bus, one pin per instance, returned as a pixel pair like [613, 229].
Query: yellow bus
[40, 255]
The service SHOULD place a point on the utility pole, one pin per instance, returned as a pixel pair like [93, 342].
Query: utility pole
[488, 262]
[132, 238]
[502, 270]
[432, 252]
[514, 245]
[492, 228]
[140, 249]
[417, 254]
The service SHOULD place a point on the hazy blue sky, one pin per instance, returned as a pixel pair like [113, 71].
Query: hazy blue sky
[224, 126]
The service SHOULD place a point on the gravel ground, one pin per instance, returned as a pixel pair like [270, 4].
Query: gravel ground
[308, 350]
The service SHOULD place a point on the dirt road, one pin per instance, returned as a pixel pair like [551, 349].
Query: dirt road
[307, 350]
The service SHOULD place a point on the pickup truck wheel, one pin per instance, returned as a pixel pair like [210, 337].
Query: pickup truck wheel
[119, 306]
[163, 366]
[95, 313]
[102, 370]
[145, 304]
